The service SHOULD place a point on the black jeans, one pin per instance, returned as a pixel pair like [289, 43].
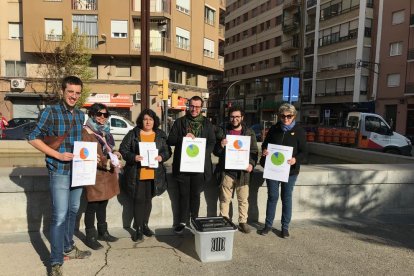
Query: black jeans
[98, 208]
[143, 201]
[190, 187]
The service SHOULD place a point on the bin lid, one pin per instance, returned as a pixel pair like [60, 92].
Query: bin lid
[210, 224]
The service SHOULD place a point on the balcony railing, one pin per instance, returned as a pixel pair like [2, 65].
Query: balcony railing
[85, 5]
[311, 3]
[409, 88]
[329, 12]
[53, 37]
[289, 45]
[307, 74]
[309, 50]
[410, 55]
[221, 62]
[158, 6]
[290, 4]
[335, 38]
[290, 25]
[91, 41]
[306, 98]
[157, 44]
[310, 27]
[221, 30]
[289, 66]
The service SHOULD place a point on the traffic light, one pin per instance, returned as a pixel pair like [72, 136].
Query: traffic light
[174, 100]
[163, 89]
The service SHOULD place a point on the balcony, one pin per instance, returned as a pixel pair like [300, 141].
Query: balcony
[306, 98]
[289, 66]
[409, 88]
[221, 62]
[90, 41]
[291, 4]
[307, 74]
[221, 30]
[157, 44]
[290, 45]
[309, 50]
[290, 25]
[85, 5]
[156, 6]
[311, 3]
[53, 37]
[410, 55]
[310, 27]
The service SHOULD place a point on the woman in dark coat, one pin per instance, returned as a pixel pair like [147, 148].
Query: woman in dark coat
[285, 133]
[106, 186]
[143, 182]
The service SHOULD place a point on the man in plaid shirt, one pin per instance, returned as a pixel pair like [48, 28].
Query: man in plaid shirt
[56, 120]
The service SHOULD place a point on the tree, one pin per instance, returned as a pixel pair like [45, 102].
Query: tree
[64, 57]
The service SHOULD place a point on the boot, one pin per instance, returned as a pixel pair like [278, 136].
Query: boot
[138, 235]
[91, 241]
[147, 231]
[103, 234]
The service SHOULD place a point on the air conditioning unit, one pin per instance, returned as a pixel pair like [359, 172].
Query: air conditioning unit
[17, 84]
[137, 97]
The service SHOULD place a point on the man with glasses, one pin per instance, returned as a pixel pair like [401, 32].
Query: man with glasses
[60, 120]
[190, 185]
[236, 180]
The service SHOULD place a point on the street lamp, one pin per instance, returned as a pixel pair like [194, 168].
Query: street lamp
[225, 96]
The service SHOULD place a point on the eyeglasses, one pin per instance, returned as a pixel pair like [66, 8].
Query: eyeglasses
[282, 116]
[105, 114]
[195, 107]
[235, 117]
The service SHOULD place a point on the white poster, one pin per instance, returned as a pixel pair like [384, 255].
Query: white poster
[237, 152]
[152, 154]
[84, 163]
[144, 147]
[193, 154]
[276, 166]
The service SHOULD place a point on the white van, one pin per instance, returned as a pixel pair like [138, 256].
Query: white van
[119, 126]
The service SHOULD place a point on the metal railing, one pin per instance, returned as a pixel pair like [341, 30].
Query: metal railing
[288, 4]
[309, 50]
[290, 45]
[91, 41]
[53, 37]
[155, 6]
[289, 66]
[290, 25]
[311, 3]
[307, 74]
[310, 27]
[85, 5]
[157, 44]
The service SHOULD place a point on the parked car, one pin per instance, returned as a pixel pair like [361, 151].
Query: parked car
[20, 132]
[20, 121]
[119, 126]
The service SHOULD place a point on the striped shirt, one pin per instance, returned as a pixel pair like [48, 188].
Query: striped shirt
[55, 120]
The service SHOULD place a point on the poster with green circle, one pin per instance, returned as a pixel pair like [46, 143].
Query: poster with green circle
[192, 150]
[277, 158]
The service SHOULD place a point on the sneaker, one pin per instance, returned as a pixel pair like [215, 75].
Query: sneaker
[285, 233]
[264, 231]
[56, 270]
[244, 228]
[179, 228]
[76, 253]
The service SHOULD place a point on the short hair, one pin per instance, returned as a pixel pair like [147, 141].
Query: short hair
[196, 98]
[152, 114]
[286, 107]
[95, 109]
[236, 108]
[71, 80]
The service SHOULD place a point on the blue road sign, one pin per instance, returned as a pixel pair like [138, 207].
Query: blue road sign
[291, 89]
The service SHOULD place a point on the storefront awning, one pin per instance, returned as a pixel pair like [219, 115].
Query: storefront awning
[110, 100]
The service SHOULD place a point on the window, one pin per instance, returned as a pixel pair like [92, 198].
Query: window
[118, 123]
[209, 15]
[88, 26]
[15, 68]
[183, 6]
[123, 71]
[53, 29]
[393, 80]
[191, 79]
[278, 20]
[15, 31]
[119, 28]
[176, 76]
[182, 38]
[398, 17]
[396, 49]
[208, 48]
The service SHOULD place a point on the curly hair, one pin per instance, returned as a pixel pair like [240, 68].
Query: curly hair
[149, 112]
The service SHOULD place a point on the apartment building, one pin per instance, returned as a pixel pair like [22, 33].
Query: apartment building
[395, 86]
[262, 46]
[338, 60]
[184, 39]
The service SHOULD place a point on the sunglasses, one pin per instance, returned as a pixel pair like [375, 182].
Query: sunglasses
[282, 116]
[105, 114]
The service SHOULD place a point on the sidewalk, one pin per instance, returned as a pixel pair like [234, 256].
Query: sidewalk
[314, 248]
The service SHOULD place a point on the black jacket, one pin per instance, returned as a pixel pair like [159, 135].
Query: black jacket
[129, 148]
[175, 138]
[221, 154]
[295, 138]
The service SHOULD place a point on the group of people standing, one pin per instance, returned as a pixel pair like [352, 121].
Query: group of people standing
[142, 182]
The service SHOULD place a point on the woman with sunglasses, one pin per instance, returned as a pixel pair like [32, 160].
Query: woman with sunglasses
[285, 133]
[97, 129]
[143, 182]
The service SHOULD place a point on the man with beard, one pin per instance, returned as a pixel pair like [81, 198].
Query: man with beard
[236, 180]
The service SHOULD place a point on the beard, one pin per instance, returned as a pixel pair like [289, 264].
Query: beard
[236, 126]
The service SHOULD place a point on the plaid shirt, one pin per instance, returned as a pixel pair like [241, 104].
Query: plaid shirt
[55, 120]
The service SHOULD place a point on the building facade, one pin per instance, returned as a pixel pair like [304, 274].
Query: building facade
[184, 39]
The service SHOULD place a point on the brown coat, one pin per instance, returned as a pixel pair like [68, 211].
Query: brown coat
[107, 185]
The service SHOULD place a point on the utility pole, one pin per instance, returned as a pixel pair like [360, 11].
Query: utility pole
[145, 55]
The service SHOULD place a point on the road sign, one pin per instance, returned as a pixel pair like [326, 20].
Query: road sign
[291, 89]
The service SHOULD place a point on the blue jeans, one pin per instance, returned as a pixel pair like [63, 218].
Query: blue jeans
[273, 196]
[65, 206]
